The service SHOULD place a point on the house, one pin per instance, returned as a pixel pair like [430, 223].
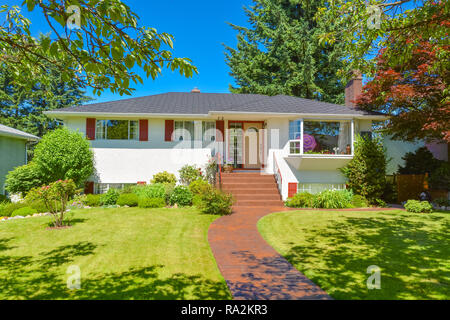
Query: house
[302, 142]
[13, 151]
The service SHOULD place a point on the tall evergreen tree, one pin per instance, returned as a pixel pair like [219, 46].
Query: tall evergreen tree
[22, 108]
[281, 54]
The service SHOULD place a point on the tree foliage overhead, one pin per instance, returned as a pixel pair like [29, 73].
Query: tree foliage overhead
[22, 107]
[102, 52]
[280, 53]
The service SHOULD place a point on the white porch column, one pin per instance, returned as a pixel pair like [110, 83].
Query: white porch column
[353, 136]
[301, 136]
[198, 137]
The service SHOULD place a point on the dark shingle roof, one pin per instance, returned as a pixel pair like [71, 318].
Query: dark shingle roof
[203, 103]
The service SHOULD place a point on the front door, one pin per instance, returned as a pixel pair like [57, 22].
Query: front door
[252, 145]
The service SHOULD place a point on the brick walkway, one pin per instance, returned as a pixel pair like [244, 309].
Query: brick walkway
[252, 269]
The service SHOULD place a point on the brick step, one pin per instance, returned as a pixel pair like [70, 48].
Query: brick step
[257, 196]
[234, 186]
[255, 179]
[253, 191]
[258, 203]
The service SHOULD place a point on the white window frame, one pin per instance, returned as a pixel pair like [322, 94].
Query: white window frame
[308, 187]
[208, 133]
[105, 131]
[184, 131]
[300, 141]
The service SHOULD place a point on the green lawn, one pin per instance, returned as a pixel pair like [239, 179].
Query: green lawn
[334, 250]
[126, 253]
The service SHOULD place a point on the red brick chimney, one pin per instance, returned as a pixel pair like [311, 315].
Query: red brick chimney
[353, 89]
[195, 90]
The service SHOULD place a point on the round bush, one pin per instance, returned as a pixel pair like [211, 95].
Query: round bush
[216, 202]
[188, 174]
[93, 200]
[199, 187]
[128, 199]
[359, 201]
[110, 197]
[25, 211]
[152, 203]
[417, 206]
[301, 200]
[197, 200]
[38, 205]
[181, 195]
[164, 177]
[9, 208]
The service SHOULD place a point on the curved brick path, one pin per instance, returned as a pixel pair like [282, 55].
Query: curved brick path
[253, 269]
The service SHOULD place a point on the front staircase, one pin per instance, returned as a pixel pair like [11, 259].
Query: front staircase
[252, 189]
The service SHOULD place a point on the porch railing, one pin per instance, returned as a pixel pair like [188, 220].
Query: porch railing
[277, 173]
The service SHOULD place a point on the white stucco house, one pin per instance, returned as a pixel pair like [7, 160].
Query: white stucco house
[303, 142]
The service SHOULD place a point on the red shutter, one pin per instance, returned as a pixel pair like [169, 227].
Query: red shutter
[90, 128]
[89, 187]
[141, 183]
[169, 130]
[143, 130]
[292, 189]
[220, 124]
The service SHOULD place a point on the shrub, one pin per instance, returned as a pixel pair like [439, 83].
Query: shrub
[38, 205]
[93, 200]
[24, 178]
[4, 198]
[62, 154]
[211, 171]
[189, 174]
[164, 177]
[197, 200]
[333, 199]
[216, 202]
[9, 208]
[2, 206]
[55, 196]
[418, 206]
[390, 193]
[366, 172]
[380, 203]
[79, 201]
[156, 190]
[181, 195]
[442, 202]
[168, 190]
[128, 188]
[419, 162]
[128, 199]
[359, 201]
[110, 197]
[24, 211]
[199, 186]
[440, 178]
[152, 202]
[301, 200]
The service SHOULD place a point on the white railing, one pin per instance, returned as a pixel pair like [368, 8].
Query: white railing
[277, 173]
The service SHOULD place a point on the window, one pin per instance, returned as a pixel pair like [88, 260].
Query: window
[209, 131]
[319, 187]
[327, 137]
[235, 143]
[117, 130]
[184, 131]
[100, 188]
[294, 136]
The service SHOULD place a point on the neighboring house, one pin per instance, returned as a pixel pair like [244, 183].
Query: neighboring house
[303, 142]
[13, 151]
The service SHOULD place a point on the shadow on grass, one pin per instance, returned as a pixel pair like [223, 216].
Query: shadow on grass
[413, 255]
[43, 277]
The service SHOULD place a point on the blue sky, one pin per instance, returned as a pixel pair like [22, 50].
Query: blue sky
[199, 28]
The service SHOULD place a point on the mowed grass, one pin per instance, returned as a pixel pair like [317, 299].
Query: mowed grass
[123, 253]
[334, 250]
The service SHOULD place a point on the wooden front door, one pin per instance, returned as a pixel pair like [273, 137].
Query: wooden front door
[252, 145]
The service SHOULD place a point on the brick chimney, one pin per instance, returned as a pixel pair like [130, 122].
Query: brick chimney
[353, 89]
[195, 90]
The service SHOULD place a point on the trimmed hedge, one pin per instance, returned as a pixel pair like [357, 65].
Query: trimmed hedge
[128, 199]
[152, 203]
[93, 200]
[25, 211]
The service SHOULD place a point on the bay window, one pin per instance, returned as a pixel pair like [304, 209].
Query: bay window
[321, 137]
[117, 130]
